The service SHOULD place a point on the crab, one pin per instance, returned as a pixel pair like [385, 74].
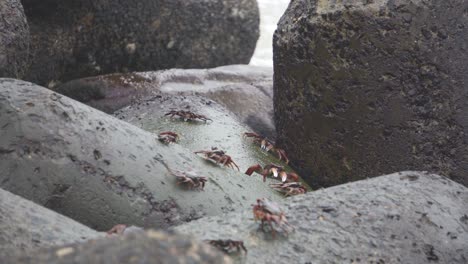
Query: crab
[192, 180]
[168, 137]
[268, 211]
[117, 229]
[187, 115]
[289, 188]
[122, 229]
[272, 170]
[228, 246]
[218, 156]
[267, 145]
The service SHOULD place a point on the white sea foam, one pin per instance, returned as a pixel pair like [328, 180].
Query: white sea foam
[270, 13]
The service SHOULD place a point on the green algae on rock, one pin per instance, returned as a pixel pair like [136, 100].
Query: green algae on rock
[225, 132]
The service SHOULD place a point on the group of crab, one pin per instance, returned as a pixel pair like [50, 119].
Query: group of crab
[265, 211]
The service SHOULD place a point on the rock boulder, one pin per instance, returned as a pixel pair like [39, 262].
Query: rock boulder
[364, 88]
[14, 39]
[246, 91]
[146, 248]
[25, 226]
[407, 217]
[75, 39]
[102, 171]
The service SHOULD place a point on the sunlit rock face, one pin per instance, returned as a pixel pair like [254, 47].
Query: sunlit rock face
[75, 39]
[406, 217]
[14, 39]
[102, 171]
[364, 88]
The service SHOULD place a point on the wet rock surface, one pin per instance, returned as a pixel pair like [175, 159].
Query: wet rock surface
[25, 225]
[246, 91]
[225, 132]
[407, 217]
[83, 38]
[14, 39]
[102, 171]
[146, 248]
[372, 87]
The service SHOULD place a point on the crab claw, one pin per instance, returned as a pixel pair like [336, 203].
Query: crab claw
[264, 145]
[252, 169]
[274, 171]
[284, 176]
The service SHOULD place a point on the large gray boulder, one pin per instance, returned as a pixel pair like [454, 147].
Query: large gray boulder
[102, 171]
[408, 217]
[75, 39]
[14, 39]
[246, 91]
[364, 88]
[147, 248]
[25, 225]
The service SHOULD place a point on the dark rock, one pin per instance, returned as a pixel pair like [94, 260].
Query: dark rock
[102, 171]
[14, 39]
[364, 88]
[146, 248]
[247, 91]
[25, 225]
[75, 39]
[388, 219]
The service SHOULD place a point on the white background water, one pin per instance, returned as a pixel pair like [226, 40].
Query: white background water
[270, 13]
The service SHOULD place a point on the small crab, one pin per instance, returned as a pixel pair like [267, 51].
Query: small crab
[121, 229]
[168, 137]
[192, 180]
[187, 115]
[289, 188]
[272, 170]
[218, 157]
[228, 246]
[268, 211]
[117, 229]
[267, 145]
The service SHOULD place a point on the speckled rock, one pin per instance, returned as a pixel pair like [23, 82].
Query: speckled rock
[75, 39]
[246, 91]
[102, 171]
[25, 225]
[14, 39]
[408, 217]
[364, 88]
[146, 248]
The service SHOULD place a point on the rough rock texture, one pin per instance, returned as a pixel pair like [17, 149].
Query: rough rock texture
[25, 225]
[364, 88]
[102, 171]
[408, 217]
[75, 39]
[14, 39]
[147, 248]
[246, 91]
